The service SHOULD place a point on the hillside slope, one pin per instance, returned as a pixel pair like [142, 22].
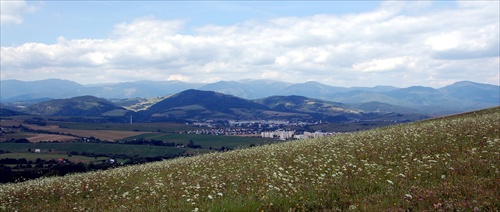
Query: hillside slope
[320, 109]
[450, 163]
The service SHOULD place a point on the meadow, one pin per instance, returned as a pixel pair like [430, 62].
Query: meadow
[450, 163]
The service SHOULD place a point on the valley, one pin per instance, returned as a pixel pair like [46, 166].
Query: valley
[88, 132]
[38, 147]
[442, 163]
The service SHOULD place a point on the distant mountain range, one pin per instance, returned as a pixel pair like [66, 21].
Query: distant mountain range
[197, 105]
[458, 97]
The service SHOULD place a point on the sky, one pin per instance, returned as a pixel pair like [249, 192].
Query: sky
[339, 43]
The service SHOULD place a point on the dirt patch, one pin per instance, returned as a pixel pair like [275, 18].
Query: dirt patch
[48, 127]
[109, 135]
[8, 123]
[49, 137]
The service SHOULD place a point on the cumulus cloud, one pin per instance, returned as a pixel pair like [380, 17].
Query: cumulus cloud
[11, 11]
[386, 64]
[398, 44]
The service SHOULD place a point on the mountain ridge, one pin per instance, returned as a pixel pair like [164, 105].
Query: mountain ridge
[198, 105]
[458, 97]
[76, 106]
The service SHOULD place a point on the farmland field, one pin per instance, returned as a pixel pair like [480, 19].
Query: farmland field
[445, 164]
[54, 156]
[144, 127]
[49, 137]
[110, 135]
[106, 131]
[97, 148]
[206, 141]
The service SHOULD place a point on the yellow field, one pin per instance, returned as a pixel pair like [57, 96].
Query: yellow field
[110, 135]
[49, 137]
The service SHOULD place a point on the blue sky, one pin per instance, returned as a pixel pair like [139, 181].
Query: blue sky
[343, 43]
[95, 19]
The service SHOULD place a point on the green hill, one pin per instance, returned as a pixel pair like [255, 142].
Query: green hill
[199, 105]
[77, 106]
[450, 163]
[319, 109]
[304, 104]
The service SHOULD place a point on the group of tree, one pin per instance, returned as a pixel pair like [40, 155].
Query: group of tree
[19, 170]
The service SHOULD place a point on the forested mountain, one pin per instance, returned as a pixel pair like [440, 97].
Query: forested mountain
[77, 106]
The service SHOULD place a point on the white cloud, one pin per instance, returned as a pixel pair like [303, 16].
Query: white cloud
[444, 41]
[178, 77]
[399, 44]
[11, 11]
[386, 64]
[147, 28]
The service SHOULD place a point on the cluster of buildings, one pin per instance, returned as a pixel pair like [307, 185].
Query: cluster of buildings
[279, 134]
[224, 131]
[256, 128]
[254, 123]
[267, 123]
[287, 135]
[316, 134]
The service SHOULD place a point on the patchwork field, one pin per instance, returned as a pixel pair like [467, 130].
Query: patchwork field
[445, 164]
[108, 131]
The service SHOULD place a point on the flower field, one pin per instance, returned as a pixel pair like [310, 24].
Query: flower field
[450, 163]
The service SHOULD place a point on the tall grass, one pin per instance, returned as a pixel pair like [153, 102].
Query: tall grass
[450, 163]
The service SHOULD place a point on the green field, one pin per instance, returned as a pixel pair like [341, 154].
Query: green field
[50, 156]
[97, 148]
[143, 127]
[206, 141]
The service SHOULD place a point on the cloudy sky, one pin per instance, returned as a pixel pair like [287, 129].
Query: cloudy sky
[430, 43]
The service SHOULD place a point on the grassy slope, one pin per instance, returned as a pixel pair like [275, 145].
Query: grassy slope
[448, 163]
